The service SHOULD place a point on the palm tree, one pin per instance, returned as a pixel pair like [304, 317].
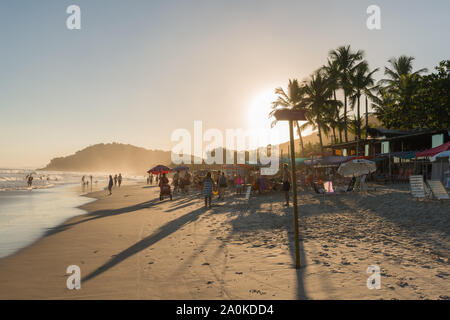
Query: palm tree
[291, 99]
[361, 81]
[345, 60]
[318, 101]
[396, 91]
[399, 67]
[331, 72]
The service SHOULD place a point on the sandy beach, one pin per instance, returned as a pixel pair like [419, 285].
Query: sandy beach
[132, 246]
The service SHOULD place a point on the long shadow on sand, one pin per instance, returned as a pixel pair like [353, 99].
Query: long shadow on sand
[160, 234]
[250, 221]
[99, 214]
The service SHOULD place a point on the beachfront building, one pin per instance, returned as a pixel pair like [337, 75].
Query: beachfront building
[397, 152]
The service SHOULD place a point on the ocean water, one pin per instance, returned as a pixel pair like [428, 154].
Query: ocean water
[27, 214]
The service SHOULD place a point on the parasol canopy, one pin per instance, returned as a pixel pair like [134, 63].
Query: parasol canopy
[444, 154]
[434, 151]
[159, 169]
[356, 168]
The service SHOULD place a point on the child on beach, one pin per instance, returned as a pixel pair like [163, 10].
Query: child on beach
[208, 189]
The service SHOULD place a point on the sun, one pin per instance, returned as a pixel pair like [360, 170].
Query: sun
[260, 123]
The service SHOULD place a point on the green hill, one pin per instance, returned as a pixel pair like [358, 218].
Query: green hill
[114, 157]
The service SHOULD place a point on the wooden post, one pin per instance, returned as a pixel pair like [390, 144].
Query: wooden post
[294, 196]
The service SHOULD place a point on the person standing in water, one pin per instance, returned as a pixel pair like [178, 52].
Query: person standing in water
[110, 184]
[30, 180]
[119, 179]
[286, 183]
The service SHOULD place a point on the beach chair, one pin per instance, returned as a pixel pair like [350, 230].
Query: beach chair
[417, 187]
[328, 186]
[438, 190]
[327, 190]
[246, 200]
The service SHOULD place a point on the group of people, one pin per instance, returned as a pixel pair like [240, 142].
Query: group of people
[181, 181]
[216, 184]
[116, 181]
[85, 182]
[208, 185]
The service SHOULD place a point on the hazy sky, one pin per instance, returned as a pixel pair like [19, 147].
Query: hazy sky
[137, 70]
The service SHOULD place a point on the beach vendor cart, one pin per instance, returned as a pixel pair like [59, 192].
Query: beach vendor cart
[164, 187]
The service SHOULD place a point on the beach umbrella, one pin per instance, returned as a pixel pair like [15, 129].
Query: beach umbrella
[159, 169]
[444, 154]
[434, 151]
[356, 168]
[181, 168]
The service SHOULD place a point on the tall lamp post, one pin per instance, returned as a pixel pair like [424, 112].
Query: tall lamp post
[291, 116]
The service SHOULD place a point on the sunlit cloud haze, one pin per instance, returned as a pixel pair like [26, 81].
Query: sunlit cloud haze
[137, 70]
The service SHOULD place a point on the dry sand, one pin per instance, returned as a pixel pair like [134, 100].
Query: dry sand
[132, 246]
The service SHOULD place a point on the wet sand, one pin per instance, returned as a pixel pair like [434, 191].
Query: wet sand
[132, 246]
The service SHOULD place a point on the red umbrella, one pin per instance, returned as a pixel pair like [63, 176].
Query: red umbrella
[159, 169]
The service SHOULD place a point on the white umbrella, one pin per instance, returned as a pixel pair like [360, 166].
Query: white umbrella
[356, 168]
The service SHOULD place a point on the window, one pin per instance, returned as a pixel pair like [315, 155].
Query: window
[385, 147]
[437, 140]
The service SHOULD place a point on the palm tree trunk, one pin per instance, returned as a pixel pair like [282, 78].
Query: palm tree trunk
[334, 134]
[367, 116]
[345, 117]
[299, 131]
[359, 120]
[320, 137]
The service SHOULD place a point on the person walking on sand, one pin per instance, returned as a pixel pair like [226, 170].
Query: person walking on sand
[110, 184]
[151, 178]
[222, 182]
[119, 179]
[115, 180]
[208, 184]
[176, 181]
[286, 178]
